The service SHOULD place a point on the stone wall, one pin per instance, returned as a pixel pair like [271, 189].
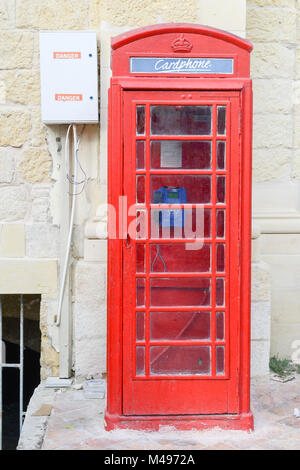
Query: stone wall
[274, 28]
[32, 172]
[29, 161]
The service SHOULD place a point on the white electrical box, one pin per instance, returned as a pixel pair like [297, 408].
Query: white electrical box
[69, 77]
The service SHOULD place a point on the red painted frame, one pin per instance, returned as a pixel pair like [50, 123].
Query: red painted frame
[210, 42]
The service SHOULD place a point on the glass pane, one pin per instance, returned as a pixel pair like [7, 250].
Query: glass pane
[179, 325]
[140, 120]
[140, 155]
[178, 360]
[220, 189]
[180, 120]
[140, 258]
[221, 120]
[140, 326]
[220, 326]
[221, 149]
[172, 258]
[140, 189]
[175, 292]
[219, 291]
[140, 360]
[177, 154]
[140, 292]
[180, 189]
[207, 223]
[141, 224]
[220, 257]
[220, 223]
[184, 223]
[220, 360]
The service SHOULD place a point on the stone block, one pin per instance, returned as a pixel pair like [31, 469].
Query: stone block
[14, 128]
[95, 250]
[39, 130]
[261, 320]
[35, 165]
[89, 358]
[77, 242]
[285, 270]
[268, 96]
[52, 14]
[49, 359]
[261, 284]
[7, 165]
[255, 250]
[260, 357]
[298, 62]
[40, 210]
[95, 14]
[89, 322]
[298, 24]
[42, 241]
[36, 50]
[296, 165]
[297, 127]
[23, 87]
[13, 203]
[16, 50]
[296, 92]
[2, 92]
[275, 198]
[142, 12]
[12, 240]
[40, 191]
[25, 276]
[229, 15]
[284, 337]
[271, 3]
[272, 60]
[280, 244]
[90, 284]
[286, 306]
[274, 130]
[7, 14]
[271, 24]
[48, 313]
[271, 164]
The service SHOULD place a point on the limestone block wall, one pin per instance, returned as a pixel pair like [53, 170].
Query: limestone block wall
[31, 166]
[260, 309]
[31, 163]
[274, 28]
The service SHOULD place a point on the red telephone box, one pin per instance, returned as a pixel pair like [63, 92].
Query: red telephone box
[179, 184]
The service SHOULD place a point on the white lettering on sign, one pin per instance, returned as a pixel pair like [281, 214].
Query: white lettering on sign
[67, 97]
[181, 65]
[66, 55]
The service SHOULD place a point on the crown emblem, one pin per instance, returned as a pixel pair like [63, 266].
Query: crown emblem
[181, 44]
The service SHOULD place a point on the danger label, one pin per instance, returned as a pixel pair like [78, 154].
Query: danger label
[66, 55]
[67, 97]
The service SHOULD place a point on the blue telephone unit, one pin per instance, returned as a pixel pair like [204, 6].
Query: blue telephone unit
[170, 195]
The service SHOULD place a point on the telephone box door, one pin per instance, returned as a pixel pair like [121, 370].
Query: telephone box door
[181, 253]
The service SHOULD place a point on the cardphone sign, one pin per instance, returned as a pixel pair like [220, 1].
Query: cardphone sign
[181, 65]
